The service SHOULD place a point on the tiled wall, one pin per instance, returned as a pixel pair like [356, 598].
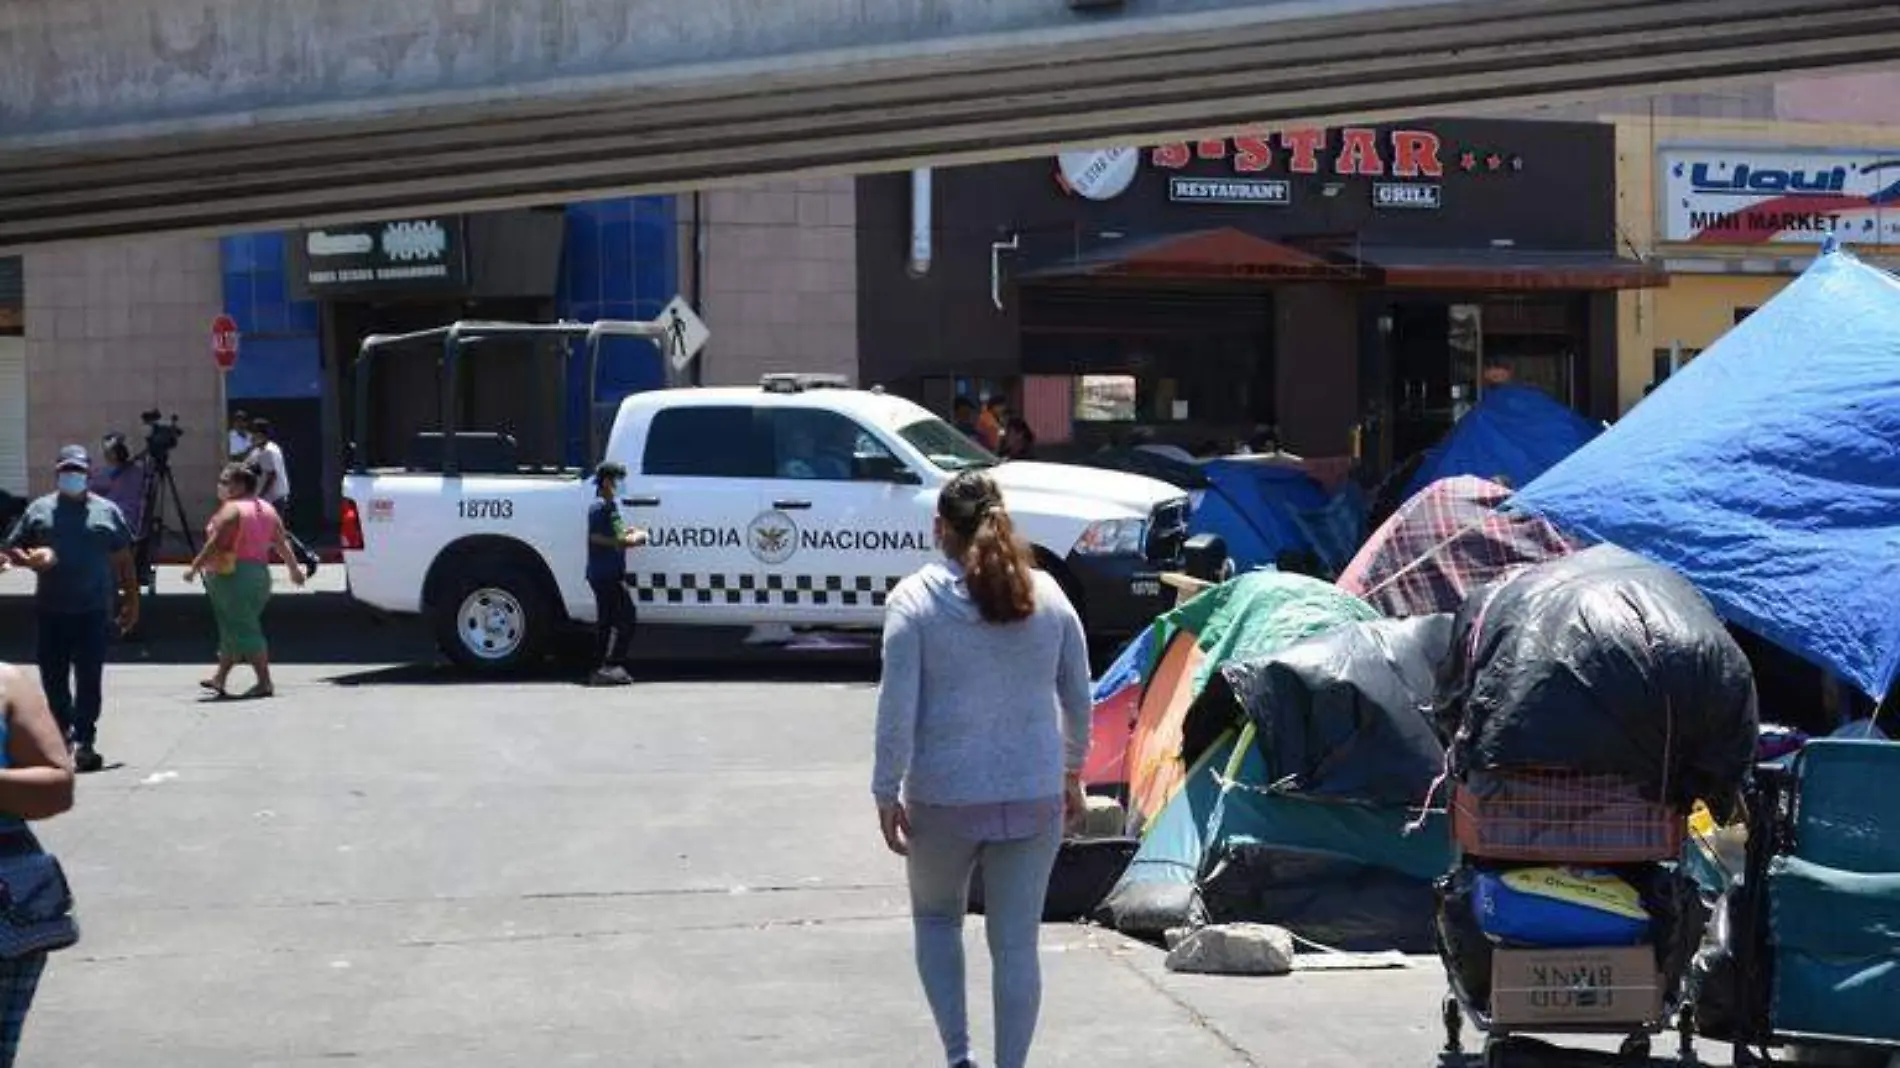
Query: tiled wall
[114, 328]
[781, 280]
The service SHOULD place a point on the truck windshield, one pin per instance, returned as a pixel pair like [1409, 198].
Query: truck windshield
[946, 446]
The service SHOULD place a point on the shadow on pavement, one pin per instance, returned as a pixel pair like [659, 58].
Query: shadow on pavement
[327, 629]
[309, 629]
[750, 669]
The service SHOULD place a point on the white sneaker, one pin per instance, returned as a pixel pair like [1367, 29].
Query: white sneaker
[613, 676]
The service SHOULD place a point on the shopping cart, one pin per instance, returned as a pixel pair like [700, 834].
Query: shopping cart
[1551, 817]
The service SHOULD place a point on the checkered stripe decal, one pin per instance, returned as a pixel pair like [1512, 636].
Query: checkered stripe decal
[695, 588]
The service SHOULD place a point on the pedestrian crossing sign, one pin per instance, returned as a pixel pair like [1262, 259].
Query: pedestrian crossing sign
[685, 333]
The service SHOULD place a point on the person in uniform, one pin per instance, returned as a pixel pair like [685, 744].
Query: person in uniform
[608, 539]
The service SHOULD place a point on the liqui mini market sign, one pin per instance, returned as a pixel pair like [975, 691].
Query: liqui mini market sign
[1746, 196]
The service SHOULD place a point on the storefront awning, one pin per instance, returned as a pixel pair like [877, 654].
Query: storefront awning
[1201, 255]
[1505, 268]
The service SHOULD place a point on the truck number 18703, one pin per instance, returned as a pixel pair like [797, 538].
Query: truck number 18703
[487, 508]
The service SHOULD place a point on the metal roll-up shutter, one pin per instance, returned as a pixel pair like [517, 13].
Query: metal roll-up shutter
[13, 415]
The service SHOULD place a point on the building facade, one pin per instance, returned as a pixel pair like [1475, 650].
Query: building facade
[1355, 287]
[1733, 210]
[110, 331]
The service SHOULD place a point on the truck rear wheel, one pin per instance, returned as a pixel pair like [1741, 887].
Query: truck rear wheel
[493, 622]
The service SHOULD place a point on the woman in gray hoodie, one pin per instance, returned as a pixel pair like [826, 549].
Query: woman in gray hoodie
[982, 729]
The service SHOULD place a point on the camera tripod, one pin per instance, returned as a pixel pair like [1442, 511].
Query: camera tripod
[159, 484]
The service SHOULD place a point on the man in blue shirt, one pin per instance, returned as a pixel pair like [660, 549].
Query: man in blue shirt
[79, 545]
[608, 539]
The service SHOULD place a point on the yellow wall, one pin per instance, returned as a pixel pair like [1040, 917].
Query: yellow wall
[1697, 309]
[1694, 311]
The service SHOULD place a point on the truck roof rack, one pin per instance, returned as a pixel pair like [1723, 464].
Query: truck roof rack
[446, 344]
[799, 383]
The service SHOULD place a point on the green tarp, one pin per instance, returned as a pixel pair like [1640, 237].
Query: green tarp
[1253, 615]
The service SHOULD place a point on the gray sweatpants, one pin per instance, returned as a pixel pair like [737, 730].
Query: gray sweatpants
[1015, 882]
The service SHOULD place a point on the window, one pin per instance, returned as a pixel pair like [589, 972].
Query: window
[727, 442]
[945, 446]
[1106, 399]
[820, 445]
[1660, 359]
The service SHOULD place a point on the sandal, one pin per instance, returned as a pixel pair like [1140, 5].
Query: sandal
[213, 687]
[259, 692]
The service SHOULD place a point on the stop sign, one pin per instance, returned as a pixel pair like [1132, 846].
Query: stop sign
[224, 342]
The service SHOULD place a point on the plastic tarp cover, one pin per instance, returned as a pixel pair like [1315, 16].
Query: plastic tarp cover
[1444, 542]
[1158, 891]
[1768, 472]
[1252, 615]
[1333, 900]
[1513, 434]
[1156, 766]
[1116, 698]
[1253, 506]
[1602, 663]
[1343, 716]
[1256, 614]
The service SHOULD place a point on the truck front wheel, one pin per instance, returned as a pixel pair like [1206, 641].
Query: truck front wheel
[493, 622]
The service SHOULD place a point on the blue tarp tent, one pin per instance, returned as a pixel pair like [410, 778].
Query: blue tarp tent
[1768, 473]
[1263, 509]
[1514, 431]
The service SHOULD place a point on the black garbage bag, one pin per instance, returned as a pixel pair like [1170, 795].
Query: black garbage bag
[1600, 663]
[1148, 909]
[1344, 716]
[1332, 900]
[1085, 871]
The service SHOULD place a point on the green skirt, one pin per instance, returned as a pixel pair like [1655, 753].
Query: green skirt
[237, 602]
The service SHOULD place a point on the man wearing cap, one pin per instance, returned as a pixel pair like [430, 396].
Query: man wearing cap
[81, 548]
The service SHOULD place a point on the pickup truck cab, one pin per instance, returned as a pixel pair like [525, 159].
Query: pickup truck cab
[797, 502]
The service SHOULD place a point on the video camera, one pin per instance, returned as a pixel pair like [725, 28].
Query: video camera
[160, 438]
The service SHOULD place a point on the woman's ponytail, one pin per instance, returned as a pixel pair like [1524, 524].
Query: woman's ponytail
[997, 565]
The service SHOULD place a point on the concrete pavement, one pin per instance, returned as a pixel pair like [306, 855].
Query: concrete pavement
[406, 873]
[390, 867]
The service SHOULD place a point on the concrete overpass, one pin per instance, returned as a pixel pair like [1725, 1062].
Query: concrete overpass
[139, 116]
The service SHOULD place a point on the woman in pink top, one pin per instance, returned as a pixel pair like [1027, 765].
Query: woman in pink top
[235, 562]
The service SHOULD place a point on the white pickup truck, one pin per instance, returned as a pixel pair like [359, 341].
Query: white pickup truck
[797, 502]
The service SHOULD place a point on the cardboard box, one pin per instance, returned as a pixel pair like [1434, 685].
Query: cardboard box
[1575, 987]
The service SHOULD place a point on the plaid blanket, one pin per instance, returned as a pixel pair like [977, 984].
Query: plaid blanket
[1446, 541]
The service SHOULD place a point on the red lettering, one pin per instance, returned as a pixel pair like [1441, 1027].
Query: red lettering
[1173, 157]
[1359, 154]
[1211, 148]
[1252, 154]
[1415, 154]
[1304, 145]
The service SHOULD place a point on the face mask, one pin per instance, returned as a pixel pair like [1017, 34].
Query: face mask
[72, 483]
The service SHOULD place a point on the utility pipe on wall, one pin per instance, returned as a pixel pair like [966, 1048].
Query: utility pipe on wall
[920, 222]
[997, 248]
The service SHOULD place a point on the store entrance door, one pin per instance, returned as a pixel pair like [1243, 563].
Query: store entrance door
[1418, 344]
